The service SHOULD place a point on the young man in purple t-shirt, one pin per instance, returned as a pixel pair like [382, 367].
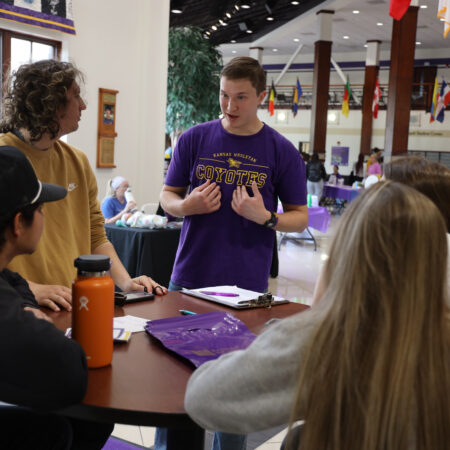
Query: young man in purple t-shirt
[234, 170]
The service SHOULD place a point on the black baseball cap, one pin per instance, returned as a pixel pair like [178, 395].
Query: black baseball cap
[19, 186]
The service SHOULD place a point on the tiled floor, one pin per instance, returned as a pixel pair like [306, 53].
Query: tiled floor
[299, 266]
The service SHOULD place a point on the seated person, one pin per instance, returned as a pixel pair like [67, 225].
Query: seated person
[42, 370]
[355, 366]
[335, 176]
[115, 205]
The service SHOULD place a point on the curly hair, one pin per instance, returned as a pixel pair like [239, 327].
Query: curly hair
[35, 95]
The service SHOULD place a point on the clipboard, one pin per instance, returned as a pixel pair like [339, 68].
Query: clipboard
[236, 297]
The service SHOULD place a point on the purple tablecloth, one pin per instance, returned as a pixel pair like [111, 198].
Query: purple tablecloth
[318, 217]
[342, 192]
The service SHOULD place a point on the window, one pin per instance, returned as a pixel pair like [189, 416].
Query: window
[18, 49]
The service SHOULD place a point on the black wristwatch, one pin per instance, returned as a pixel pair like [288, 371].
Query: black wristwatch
[272, 221]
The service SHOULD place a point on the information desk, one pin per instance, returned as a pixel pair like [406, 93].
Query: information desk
[145, 384]
[343, 192]
[146, 252]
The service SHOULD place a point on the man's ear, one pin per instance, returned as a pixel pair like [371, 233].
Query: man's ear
[261, 97]
[18, 225]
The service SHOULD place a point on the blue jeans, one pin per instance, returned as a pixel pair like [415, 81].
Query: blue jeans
[221, 441]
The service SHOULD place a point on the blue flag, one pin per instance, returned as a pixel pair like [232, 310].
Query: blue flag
[297, 94]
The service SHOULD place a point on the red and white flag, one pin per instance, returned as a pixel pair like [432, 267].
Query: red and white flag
[376, 99]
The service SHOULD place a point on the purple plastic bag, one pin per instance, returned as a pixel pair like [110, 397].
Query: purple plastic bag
[201, 337]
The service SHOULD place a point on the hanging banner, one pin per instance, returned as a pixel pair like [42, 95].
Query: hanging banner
[53, 14]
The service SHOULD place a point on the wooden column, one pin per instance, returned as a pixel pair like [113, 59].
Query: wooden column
[321, 82]
[370, 77]
[400, 84]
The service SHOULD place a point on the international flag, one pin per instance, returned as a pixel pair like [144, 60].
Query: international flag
[297, 94]
[442, 101]
[444, 14]
[347, 93]
[376, 98]
[434, 101]
[272, 95]
[398, 8]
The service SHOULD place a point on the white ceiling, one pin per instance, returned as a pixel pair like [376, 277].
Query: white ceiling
[358, 27]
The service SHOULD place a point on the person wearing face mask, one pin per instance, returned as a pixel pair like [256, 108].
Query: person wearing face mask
[117, 201]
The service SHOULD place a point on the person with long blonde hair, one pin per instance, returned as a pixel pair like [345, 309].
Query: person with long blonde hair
[368, 366]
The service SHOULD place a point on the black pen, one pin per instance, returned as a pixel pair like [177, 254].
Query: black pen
[185, 312]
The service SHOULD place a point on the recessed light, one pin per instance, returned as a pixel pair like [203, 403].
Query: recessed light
[365, 45]
[249, 31]
[228, 15]
[345, 37]
[295, 3]
[274, 49]
[236, 7]
[296, 40]
[424, 6]
[214, 27]
[442, 20]
[270, 18]
[177, 11]
[233, 41]
[379, 24]
[418, 43]
[355, 11]
[245, 6]
[233, 51]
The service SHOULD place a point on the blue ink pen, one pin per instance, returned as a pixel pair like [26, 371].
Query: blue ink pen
[221, 294]
[185, 312]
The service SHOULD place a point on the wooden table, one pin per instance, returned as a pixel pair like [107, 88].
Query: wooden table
[145, 384]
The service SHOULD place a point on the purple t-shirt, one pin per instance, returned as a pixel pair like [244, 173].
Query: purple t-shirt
[223, 248]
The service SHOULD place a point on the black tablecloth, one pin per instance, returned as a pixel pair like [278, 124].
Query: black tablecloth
[146, 252]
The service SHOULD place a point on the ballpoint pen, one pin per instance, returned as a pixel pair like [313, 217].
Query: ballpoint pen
[221, 294]
[185, 312]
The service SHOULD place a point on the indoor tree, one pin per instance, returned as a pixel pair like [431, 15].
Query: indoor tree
[193, 80]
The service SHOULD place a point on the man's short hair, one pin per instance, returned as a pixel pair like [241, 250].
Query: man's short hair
[244, 67]
[35, 96]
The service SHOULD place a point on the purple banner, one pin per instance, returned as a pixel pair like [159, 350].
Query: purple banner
[339, 156]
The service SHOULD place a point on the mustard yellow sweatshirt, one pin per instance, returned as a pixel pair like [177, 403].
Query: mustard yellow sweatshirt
[73, 226]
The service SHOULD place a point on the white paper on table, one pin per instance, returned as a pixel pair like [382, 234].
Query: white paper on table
[130, 323]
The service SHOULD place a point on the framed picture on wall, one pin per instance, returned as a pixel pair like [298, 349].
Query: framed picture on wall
[339, 156]
[106, 127]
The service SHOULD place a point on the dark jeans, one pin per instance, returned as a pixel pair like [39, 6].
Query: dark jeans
[24, 429]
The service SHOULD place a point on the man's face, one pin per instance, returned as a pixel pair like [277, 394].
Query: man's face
[69, 118]
[239, 104]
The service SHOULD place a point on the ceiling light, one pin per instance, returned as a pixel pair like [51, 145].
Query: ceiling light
[442, 20]
[245, 6]
[365, 45]
[228, 15]
[236, 7]
[177, 11]
[249, 31]
[224, 24]
[296, 40]
[233, 51]
[274, 49]
[423, 6]
[208, 32]
[295, 3]
[355, 11]
[345, 37]
[270, 18]
[418, 43]
[233, 41]
[379, 24]
[214, 27]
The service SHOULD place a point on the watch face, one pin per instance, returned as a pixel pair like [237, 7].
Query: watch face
[272, 221]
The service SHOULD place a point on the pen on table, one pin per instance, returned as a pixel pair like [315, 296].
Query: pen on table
[185, 312]
[222, 294]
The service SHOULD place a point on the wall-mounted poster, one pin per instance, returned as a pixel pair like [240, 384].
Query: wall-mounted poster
[339, 156]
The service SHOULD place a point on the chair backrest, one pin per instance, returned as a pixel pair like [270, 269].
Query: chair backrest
[149, 208]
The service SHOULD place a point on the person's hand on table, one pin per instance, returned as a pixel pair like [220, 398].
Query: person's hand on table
[38, 314]
[129, 206]
[142, 282]
[251, 208]
[54, 297]
[204, 199]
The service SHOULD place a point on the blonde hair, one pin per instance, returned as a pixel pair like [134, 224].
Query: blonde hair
[112, 185]
[376, 373]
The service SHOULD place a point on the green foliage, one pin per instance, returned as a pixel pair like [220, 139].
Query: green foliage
[193, 80]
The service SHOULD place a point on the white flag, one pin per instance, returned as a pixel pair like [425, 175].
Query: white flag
[444, 14]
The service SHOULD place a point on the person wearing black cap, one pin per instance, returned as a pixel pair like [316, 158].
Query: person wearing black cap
[75, 226]
[42, 370]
